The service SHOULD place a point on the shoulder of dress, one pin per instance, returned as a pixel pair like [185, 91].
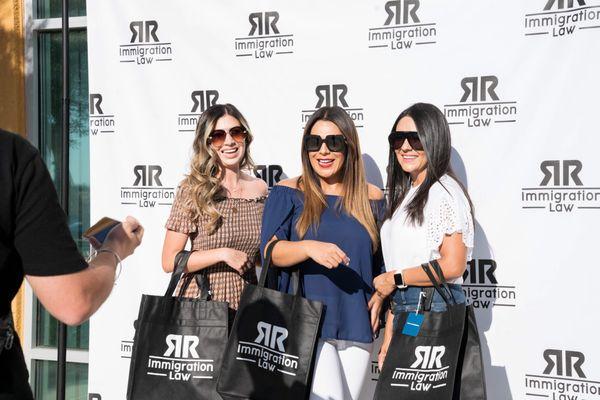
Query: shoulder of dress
[183, 189]
[259, 186]
[374, 192]
[289, 183]
[445, 188]
[447, 192]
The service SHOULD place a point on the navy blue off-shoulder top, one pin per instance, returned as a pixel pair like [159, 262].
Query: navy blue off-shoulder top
[344, 291]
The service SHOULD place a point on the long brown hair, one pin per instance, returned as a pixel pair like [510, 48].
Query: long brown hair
[355, 198]
[204, 180]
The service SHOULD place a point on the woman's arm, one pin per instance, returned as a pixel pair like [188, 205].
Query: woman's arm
[175, 242]
[453, 261]
[289, 253]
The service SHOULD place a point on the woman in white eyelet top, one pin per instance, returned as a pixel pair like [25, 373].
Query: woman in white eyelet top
[447, 211]
[428, 218]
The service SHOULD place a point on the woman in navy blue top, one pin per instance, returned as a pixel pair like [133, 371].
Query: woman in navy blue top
[326, 220]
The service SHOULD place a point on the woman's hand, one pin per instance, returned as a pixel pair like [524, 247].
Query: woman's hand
[374, 306]
[387, 339]
[236, 259]
[383, 353]
[327, 254]
[384, 284]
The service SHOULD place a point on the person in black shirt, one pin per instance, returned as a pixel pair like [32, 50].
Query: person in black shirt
[35, 243]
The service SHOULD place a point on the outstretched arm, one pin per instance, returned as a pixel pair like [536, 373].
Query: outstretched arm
[73, 298]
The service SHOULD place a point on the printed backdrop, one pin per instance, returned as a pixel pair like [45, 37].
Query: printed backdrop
[517, 80]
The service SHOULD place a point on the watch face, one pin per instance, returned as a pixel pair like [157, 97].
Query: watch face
[398, 280]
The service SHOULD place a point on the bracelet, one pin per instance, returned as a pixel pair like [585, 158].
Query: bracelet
[119, 264]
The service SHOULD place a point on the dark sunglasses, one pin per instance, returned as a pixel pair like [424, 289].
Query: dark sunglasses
[335, 143]
[217, 138]
[397, 138]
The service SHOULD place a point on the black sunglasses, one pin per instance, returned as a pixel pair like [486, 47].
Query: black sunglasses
[397, 138]
[217, 138]
[335, 143]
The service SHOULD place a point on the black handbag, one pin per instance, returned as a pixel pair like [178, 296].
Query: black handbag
[178, 344]
[422, 360]
[271, 348]
[469, 383]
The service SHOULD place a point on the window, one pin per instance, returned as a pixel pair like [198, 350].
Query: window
[44, 115]
[53, 8]
[44, 381]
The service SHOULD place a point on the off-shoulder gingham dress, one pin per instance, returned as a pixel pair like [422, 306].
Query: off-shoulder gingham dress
[239, 229]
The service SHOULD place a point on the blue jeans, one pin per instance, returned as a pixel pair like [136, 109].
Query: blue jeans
[408, 299]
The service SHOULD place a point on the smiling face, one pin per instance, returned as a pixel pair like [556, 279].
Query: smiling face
[231, 152]
[413, 162]
[325, 163]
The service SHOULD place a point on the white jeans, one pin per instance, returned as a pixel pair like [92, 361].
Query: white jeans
[340, 369]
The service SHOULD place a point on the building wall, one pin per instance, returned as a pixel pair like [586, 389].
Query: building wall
[12, 90]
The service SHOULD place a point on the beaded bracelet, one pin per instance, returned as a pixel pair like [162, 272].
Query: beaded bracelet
[117, 258]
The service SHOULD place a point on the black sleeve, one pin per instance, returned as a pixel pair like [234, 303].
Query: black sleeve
[42, 237]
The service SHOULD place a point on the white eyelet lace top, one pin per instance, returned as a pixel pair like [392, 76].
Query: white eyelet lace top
[447, 211]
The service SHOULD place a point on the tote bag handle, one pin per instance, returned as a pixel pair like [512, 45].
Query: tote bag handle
[181, 260]
[267, 263]
[441, 287]
[438, 270]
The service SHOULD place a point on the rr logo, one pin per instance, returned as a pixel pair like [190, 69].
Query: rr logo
[143, 35]
[479, 86]
[331, 95]
[405, 8]
[561, 361]
[204, 99]
[271, 335]
[429, 357]
[147, 174]
[95, 101]
[570, 170]
[478, 275]
[264, 22]
[270, 174]
[561, 4]
[182, 346]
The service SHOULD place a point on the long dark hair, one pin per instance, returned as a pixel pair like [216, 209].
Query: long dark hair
[434, 133]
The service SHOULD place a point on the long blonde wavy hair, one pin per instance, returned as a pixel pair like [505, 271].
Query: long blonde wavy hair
[204, 180]
[355, 198]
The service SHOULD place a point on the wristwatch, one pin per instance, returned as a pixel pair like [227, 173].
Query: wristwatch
[399, 280]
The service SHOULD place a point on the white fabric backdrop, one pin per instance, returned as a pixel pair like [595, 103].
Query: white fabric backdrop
[518, 81]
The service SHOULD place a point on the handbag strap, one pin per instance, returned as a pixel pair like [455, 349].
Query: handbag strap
[435, 282]
[296, 282]
[440, 273]
[428, 294]
[266, 263]
[181, 260]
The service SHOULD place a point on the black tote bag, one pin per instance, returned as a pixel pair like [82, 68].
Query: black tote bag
[272, 343]
[422, 360]
[470, 377]
[469, 381]
[178, 344]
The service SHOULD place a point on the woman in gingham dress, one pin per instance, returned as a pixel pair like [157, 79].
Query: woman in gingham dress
[218, 207]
